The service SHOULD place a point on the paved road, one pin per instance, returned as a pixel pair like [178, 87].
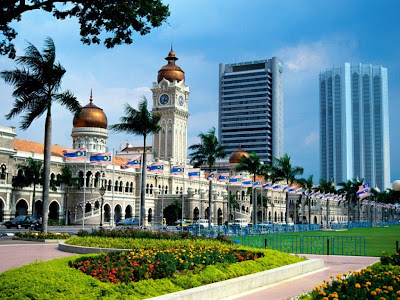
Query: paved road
[58, 229]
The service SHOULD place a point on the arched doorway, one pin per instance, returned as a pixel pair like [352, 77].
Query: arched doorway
[38, 208]
[219, 212]
[315, 220]
[107, 210]
[88, 207]
[117, 213]
[150, 215]
[1, 210]
[206, 213]
[21, 208]
[259, 216]
[54, 210]
[172, 213]
[196, 213]
[128, 212]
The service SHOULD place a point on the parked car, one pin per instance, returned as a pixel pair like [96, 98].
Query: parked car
[129, 222]
[24, 222]
[201, 223]
[241, 222]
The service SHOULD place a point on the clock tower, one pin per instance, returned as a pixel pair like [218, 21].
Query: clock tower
[170, 100]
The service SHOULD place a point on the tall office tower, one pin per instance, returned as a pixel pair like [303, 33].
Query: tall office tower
[354, 129]
[251, 107]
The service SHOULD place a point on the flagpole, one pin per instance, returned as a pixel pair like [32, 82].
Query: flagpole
[112, 194]
[201, 207]
[162, 202]
[84, 198]
[229, 199]
[183, 198]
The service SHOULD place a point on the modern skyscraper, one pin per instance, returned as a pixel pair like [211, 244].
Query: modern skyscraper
[251, 107]
[354, 129]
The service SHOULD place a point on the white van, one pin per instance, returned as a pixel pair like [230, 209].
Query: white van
[241, 222]
[202, 223]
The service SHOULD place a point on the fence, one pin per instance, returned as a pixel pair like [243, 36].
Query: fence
[325, 245]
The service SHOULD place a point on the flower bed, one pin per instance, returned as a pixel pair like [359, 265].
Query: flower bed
[380, 281]
[40, 236]
[117, 267]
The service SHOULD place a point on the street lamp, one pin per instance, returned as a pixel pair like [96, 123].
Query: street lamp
[102, 191]
[396, 186]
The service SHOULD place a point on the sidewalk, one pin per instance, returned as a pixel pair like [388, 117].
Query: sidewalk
[296, 286]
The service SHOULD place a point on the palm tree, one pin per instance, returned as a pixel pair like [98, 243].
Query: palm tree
[207, 152]
[37, 86]
[328, 187]
[69, 181]
[253, 165]
[139, 122]
[31, 174]
[307, 185]
[349, 189]
[282, 169]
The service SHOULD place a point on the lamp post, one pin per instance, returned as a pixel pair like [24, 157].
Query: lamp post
[102, 191]
[396, 187]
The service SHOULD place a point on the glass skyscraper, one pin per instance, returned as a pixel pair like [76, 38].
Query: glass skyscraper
[354, 124]
[251, 107]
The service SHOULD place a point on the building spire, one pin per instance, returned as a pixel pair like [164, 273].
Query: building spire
[91, 96]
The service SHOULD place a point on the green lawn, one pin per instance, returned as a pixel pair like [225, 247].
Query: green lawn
[378, 239]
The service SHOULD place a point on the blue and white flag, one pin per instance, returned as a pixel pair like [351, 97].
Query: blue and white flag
[224, 177]
[257, 184]
[156, 168]
[285, 189]
[299, 191]
[101, 159]
[291, 189]
[75, 155]
[194, 173]
[133, 163]
[246, 183]
[268, 185]
[212, 176]
[235, 180]
[276, 186]
[178, 170]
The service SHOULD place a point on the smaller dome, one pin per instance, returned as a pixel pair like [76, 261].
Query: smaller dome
[91, 116]
[237, 155]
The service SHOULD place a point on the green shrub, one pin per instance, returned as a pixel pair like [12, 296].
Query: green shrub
[55, 222]
[393, 259]
[40, 236]
[56, 280]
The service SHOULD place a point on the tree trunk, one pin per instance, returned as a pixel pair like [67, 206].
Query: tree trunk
[66, 206]
[327, 213]
[33, 198]
[142, 189]
[46, 167]
[309, 212]
[209, 202]
[287, 206]
[254, 197]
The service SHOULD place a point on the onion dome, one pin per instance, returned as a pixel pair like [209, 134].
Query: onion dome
[91, 116]
[171, 71]
[237, 155]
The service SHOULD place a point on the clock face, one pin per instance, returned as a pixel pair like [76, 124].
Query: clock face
[164, 99]
[180, 99]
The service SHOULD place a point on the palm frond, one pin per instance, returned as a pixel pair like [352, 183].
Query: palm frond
[68, 100]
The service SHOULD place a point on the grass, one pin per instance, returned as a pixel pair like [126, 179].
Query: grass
[378, 239]
[56, 280]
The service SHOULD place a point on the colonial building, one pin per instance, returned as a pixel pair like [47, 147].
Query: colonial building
[122, 186]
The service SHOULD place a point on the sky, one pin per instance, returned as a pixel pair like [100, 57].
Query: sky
[309, 36]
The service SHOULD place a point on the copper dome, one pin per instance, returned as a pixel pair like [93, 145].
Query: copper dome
[237, 155]
[91, 116]
[171, 71]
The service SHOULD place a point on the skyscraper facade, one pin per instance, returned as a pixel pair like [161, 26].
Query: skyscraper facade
[354, 124]
[251, 107]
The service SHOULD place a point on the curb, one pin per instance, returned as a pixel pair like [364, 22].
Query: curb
[235, 286]
[48, 241]
[86, 250]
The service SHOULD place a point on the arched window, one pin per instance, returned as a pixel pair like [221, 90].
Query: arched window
[151, 189]
[109, 186]
[116, 186]
[131, 188]
[127, 187]
[121, 186]
[181, 190]
[177, 190]
[147, 188]
[166, 190]
[58, 180]
[81, 179]
[96, 179]
[3, 172]
[159, 189]
[88, 178]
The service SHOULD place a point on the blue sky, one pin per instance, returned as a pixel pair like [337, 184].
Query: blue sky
[308, 36]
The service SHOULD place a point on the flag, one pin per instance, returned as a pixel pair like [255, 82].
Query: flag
[212, 176]
[156, 168]
[133, 163]
[299, 191]
[101, 159]
[75, 155]
[246, 183]
[178, 170]
[291, 190]
[268, 185]
[224, 177]
[285, 189]
[257, 184]
[194, 173]
[235, 180]
[276, 186]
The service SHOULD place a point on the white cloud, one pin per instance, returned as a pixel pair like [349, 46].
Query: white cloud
[312, 139]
